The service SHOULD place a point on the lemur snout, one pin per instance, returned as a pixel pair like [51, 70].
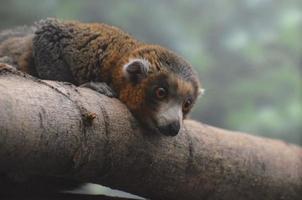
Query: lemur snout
[171, 129]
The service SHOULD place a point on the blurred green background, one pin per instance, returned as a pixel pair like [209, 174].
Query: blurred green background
[248, 53]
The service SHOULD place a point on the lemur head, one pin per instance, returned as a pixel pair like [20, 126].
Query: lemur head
[158, 87]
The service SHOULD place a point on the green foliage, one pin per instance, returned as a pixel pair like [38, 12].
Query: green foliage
[247, 52]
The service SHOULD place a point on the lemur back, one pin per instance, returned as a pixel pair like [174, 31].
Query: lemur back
[87, 51]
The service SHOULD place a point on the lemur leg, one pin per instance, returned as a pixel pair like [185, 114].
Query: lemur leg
[100, 87]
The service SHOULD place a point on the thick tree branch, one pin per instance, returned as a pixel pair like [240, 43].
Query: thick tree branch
[48, 129]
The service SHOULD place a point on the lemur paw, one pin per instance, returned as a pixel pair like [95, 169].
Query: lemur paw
[100, 87]
[5, 60]
[4, 65]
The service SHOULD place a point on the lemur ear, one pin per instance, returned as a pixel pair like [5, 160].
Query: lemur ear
[136, 70]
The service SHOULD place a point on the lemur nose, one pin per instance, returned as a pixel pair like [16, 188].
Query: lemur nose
[171, 129]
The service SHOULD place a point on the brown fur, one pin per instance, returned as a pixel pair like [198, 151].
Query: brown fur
[20, 51]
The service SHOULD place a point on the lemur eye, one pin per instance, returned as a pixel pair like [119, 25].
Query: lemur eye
[187, 104]
[160, 93]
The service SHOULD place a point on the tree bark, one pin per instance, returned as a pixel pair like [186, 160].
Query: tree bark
[54, 129]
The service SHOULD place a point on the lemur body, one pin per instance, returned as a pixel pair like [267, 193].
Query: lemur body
[158, 86]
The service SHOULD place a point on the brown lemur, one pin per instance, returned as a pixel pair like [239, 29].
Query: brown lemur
[158, 86]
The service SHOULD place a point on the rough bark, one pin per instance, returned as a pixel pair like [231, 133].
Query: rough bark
[55, 129]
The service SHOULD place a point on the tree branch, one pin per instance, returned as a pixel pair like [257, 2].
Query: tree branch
[55, 129]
